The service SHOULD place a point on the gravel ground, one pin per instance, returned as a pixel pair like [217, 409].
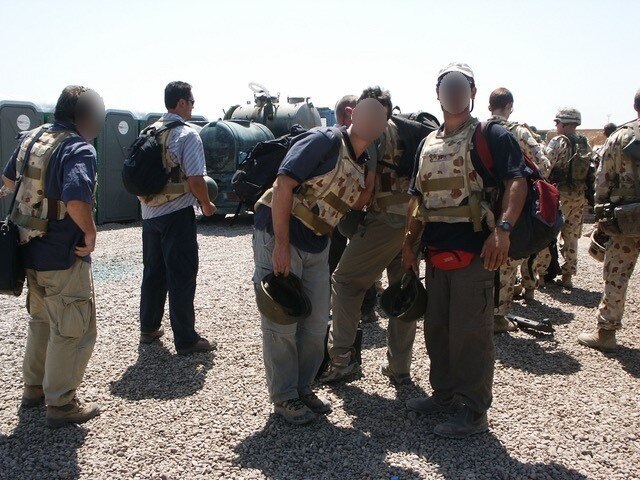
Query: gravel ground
[561, 411]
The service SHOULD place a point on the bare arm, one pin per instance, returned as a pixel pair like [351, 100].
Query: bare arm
[496, 248]
[198, 188]
[281, 212]
[367, 193]
[413, 232]
[82, 214]
[8, 183]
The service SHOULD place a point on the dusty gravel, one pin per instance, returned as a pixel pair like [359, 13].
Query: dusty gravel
[561, 411]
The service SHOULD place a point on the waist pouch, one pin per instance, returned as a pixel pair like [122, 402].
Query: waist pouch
[449, 259]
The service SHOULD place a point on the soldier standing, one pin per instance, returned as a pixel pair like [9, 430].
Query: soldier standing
[376, 245]
[54, 212]
[501, 107]
[617, 183]
[570, 156]
[453, 196]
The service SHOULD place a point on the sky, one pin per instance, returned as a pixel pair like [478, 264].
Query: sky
[550, 54]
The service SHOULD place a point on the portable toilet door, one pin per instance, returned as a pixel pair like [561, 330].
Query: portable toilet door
[115, 204]
[15, 118]
[148, 119]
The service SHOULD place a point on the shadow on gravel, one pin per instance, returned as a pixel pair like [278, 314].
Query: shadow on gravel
[160, 375]
[33, 450]
[536, 354]
[629, 358]
[366, 451]
[576, 296]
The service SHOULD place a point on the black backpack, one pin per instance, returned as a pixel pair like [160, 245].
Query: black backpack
[541, 219]
[258, 171]
[143, 172]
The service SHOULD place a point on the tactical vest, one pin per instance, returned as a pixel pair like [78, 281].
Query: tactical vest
[177, 184]
[321, 202]
[570, 173]
[391, 191]
[32, 210]
[452, 190]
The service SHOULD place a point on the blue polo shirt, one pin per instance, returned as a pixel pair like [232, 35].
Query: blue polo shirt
[71, 175]
[311, 154]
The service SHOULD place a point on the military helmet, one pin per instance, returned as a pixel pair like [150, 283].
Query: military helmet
[281, 299]
[405, 300]
[569, 115]
[597, 246]
[212, 187]
[350, 223]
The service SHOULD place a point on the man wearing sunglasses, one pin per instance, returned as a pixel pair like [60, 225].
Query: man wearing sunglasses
[169, 235]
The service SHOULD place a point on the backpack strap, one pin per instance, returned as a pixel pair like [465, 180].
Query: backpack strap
[482, 148]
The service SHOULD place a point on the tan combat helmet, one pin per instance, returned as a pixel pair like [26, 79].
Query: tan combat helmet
[569, 115]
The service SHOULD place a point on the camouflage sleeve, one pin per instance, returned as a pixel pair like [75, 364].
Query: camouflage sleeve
[607, 173]
[557, 149]
[534, 150]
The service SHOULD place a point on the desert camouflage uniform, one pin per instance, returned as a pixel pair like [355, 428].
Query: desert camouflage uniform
[616, 172]
[572, 199]
[533, 147]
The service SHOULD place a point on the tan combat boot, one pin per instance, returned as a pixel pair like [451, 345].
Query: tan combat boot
[602, 339]
[72, 412]
[528, 294]
[502, 324]
[566, 281]
[32, 396]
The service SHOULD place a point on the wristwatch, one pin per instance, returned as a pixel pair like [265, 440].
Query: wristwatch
[504, 225]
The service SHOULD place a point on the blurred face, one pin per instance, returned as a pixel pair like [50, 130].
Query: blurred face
[369, 119]
[455, 93]
[90, 119]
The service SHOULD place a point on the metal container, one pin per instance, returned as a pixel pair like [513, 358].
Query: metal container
[278, 117]
[226, 144]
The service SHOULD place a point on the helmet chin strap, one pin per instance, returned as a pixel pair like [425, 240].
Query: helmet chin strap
[472, 105]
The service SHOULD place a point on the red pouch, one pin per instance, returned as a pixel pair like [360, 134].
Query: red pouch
[450, 259]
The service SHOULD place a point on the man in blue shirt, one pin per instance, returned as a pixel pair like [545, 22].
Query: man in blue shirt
[169, 234]
[329, 163]
[54, 212]
[451, 212]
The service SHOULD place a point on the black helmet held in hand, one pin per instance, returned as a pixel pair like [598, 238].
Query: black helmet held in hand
[405, 300]
[281, 299]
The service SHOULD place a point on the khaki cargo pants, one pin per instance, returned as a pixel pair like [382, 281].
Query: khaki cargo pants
[62, 330]
[374, 247]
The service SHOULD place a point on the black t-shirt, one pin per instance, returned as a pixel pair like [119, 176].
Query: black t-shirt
[508, 163]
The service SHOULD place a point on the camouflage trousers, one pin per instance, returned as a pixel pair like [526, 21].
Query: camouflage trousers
[508, 275]
[572, 208]
[620, 259]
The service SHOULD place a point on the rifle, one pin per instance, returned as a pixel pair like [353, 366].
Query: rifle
[528, 324]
